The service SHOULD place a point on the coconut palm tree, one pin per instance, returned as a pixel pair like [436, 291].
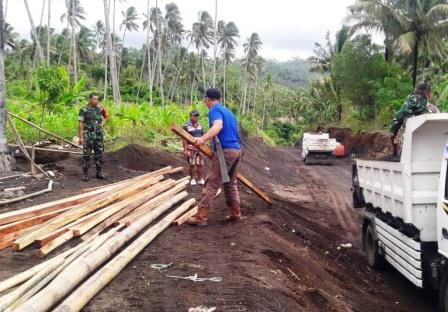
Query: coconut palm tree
[98, 32]
[75, 13]
[324, 53]
[10, 36]
[85, 43]
[421, 26]
[174, 25]
[129, 23]
[201, 36]
[227, 34]
[251, 48]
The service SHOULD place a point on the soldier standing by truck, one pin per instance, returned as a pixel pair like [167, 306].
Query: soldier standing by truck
[417, 103]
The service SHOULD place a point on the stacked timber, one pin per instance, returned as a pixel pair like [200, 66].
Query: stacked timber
[105, 219]
[84, 216]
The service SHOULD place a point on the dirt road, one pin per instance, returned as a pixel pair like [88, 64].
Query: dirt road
[281, 258]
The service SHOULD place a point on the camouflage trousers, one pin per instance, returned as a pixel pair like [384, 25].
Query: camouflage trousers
[96, 145]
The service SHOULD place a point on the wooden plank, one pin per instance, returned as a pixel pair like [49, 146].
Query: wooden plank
[126, 211]
[59, 241]
[45, 239]
[82, 267]
[82, 210]
[163, 171]
[182, 219]
[148, 206]
[43, 130]
[209, 153]
[132, 201]
[23, 224]
[41, 209]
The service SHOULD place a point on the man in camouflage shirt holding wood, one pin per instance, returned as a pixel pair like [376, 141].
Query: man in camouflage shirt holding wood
[91, 120]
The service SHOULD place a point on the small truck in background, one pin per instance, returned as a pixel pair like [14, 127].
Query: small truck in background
[318, 148]
[404, 206]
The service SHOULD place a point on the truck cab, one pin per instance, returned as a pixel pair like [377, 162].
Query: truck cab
[405, 206]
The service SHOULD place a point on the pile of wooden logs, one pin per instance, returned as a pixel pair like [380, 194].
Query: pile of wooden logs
[52, 224]
[106, 219]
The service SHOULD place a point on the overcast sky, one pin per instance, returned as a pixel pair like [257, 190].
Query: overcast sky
[288, 28]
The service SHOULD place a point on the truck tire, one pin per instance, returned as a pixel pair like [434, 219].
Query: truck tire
[443, 293]
[374, 259]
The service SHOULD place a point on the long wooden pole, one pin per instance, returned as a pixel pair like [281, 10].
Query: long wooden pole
[52, 150]
[42, 129]
[78, 270]
[208, 152]
[81, 296]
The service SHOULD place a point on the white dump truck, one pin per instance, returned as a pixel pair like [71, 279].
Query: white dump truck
[405, 206]
[318, 147]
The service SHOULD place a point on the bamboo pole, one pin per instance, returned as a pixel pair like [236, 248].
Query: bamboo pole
[42, 129]
[133, 201]
[186, 216]
[43, 149]
[84, 293]
[82, 210]
[22, 146]
[121, 214]
[208, 152]
[83, 266]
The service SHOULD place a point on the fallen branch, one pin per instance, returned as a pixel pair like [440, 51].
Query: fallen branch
[14, 200]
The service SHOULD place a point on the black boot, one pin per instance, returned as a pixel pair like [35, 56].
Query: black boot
[99, 174]
[85, 176]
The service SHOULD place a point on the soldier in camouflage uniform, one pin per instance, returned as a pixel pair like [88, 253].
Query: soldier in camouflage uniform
[416, 104]
[90, 128]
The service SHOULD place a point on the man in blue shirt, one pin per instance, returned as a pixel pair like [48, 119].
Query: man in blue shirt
[224, 127]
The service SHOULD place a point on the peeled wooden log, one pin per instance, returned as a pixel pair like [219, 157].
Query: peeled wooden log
[83, 266]
[205, 149]
[84, 293]
[82, 210]
[182, 219]
[135, 200]
[24, 276]
[9, 299]
[148, 206]
[124, 212]
[83, 250]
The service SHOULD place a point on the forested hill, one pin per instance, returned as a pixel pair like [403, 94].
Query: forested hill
[293, 74]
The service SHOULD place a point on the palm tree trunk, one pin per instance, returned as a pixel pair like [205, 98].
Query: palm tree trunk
[203, 70]
[148, 50]
[173, 85]
[5, 164]
[159, 52]
[140, 79]
[415, 63]
[224, 84]
[121, 55]
[34, 33]
[49, 34]
[105, 74]
[111, 56]
[215, 43]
